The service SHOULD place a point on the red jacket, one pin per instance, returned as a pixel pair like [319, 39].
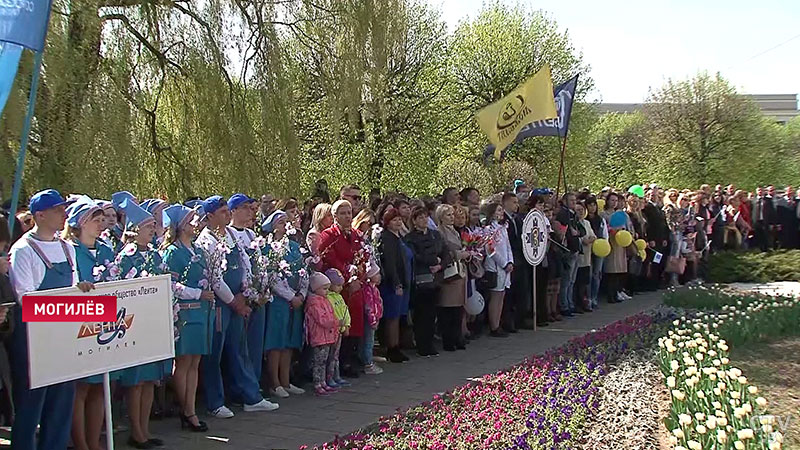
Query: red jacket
[744, 209]
[341, 251]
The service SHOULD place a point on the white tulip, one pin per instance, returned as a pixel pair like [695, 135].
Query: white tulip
[744, 434]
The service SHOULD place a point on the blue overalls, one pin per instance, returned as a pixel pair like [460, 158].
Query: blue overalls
[50, 406]
[86, 262]
[256, 334]
[227, 344]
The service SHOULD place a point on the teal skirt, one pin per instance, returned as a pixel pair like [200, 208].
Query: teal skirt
[196, 330]
[154, 371]
[98, 379]
[284, 325]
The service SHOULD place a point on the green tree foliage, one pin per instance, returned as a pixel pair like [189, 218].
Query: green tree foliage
[705, 132]
[620, 151]
[691, 132]
[494, 53]
[179, 98]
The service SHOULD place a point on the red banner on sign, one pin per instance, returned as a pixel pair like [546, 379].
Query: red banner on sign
[73, 308]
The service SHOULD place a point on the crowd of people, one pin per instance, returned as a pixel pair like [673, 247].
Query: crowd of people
[275, 294]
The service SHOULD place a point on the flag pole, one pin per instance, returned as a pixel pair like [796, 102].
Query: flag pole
[26, 130]
[561, 173]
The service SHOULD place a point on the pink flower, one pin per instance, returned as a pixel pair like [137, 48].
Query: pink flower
[129, 250]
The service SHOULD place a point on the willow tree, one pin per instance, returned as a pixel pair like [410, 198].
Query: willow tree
[162, 96]
[368, 77]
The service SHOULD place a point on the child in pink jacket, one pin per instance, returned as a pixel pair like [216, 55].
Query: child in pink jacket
[373, 309]
[322, 331]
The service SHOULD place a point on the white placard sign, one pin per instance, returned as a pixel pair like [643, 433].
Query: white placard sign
[143, 333]
[534, 237]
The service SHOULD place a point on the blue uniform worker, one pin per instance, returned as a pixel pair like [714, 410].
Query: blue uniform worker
[40, 261]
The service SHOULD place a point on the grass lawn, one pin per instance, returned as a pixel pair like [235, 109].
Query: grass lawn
[775, 368]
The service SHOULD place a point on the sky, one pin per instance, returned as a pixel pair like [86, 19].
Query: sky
[634, 45]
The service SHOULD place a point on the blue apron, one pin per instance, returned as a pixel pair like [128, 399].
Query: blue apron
[157, 370]
[195, 315]
[228, 338]
[50, 406]
[86, 263]
[256, 326]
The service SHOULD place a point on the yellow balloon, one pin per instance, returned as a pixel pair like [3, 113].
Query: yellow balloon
[641, 244]
[601, 248]
[624, 238]
[642, 254]
[601, 204]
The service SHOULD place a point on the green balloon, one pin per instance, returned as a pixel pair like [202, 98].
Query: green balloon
[637, 190]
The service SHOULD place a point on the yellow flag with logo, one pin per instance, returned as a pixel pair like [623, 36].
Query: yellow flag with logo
[529, 102]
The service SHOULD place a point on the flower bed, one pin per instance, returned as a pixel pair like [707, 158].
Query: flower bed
[713, 405]
[541, 403]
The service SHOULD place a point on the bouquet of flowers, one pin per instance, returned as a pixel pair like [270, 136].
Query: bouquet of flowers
[375, 241]
[271, 266]
[216, 262]
[358, 269]
[261, 276]
[178, 286]
[148, 269]
[476, 241]
[108, 271]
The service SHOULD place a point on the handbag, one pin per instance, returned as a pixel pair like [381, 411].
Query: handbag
[487, 282]
[454, 271]
[424, 279]
[475, 268]
[676, 264]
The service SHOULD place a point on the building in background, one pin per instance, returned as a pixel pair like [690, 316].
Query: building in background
[780, 107]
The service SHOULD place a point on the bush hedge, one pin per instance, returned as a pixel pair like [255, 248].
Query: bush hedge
[758, 267]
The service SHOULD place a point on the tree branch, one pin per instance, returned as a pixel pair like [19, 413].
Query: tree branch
[160, 56]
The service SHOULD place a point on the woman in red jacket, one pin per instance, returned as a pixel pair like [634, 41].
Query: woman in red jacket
[342, 248]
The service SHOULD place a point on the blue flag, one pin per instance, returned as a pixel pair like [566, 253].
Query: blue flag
[24, 22]
[564, 96]
[9, 61]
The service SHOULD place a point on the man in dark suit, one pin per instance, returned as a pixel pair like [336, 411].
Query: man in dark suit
[764, 219]
[517, 307]
[656, 235]
[786, 212]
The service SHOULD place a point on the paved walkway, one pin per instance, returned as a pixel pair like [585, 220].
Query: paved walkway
[308, 420]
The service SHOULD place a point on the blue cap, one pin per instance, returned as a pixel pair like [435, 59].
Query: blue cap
[117, 198]
[104, 204]
[80, 211]
[269, 222]
[193, 203]
[135, 215]
[152, 205]
[175, 216]
[46, 199]
[238, 200]
[212, 204]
